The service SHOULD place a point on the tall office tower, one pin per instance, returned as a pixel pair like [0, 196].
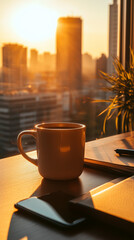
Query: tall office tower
[33, 60]
[113, 34]
[14, 59]
[68, 40]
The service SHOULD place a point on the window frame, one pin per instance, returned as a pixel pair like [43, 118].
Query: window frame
[126, 37]
[126, 41]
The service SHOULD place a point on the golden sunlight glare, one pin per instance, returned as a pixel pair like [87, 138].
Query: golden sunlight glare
[34, 23]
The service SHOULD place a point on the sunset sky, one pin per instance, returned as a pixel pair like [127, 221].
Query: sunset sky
[33, 23]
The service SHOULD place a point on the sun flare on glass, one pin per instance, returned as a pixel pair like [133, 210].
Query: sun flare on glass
[34, 23]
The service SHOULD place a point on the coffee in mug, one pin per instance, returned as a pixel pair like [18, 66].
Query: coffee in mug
[60, 149]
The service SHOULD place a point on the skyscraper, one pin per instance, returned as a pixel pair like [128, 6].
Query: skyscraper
[14, 60]
[68, 46]
[113, 34]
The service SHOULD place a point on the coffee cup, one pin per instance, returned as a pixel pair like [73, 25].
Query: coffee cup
[60, 149]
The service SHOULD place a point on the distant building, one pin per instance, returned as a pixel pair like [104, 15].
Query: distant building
[44, 81]
[68, 47]
[88, 66]
[46, 62]
[14, 66]
[113, 34]
[22, 110]
[101, 65]
[33, 60]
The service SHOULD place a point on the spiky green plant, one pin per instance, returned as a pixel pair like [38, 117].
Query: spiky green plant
[121, 85]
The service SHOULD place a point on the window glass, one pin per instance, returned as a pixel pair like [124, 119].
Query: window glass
[51, 56]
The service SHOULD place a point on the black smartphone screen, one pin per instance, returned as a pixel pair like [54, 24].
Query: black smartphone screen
[53, 207]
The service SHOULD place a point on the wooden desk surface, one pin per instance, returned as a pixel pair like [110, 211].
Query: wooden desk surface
[20, 179]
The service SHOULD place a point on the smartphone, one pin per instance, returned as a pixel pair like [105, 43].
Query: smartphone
[53, 207]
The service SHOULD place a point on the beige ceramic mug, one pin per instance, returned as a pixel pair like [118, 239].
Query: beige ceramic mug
[60, 149]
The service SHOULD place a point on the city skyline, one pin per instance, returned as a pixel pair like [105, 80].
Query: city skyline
[27, 94]
[16, 23]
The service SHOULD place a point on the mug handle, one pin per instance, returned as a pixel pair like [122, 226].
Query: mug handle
[19, 143]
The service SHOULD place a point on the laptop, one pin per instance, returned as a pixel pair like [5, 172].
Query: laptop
[113, 204]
